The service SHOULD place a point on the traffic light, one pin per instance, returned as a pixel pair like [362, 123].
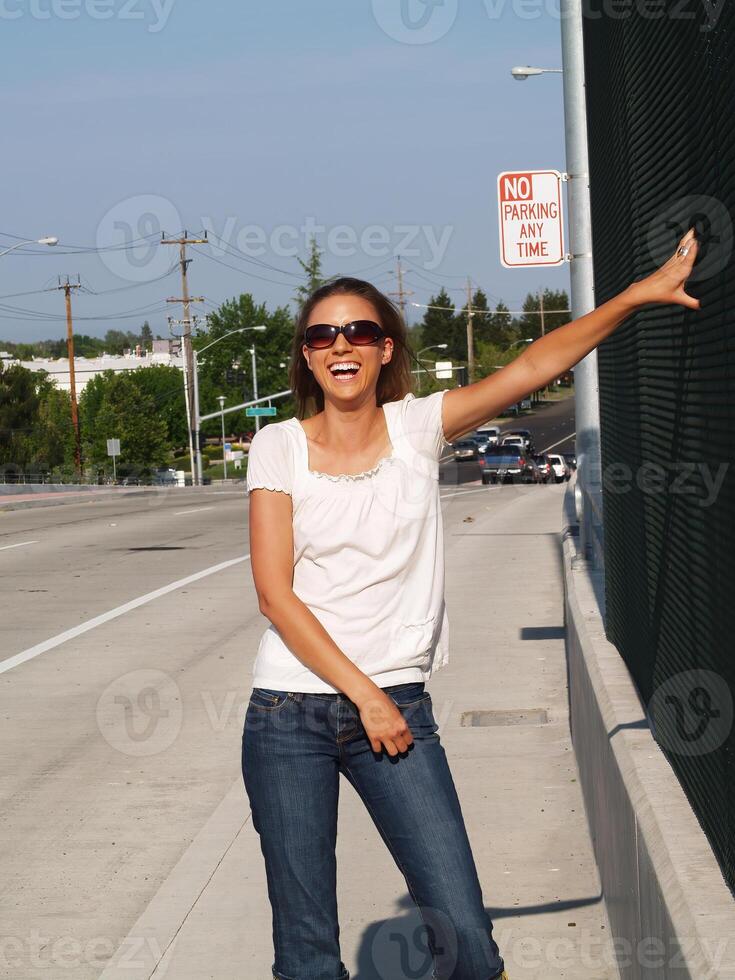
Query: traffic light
[462, 376]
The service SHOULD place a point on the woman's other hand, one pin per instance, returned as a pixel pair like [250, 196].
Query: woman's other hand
[384, 724]
[666, 284]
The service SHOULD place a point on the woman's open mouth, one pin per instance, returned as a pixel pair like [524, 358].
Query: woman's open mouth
[344, 371]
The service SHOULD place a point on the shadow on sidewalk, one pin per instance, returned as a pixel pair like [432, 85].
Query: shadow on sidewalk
[397, 948]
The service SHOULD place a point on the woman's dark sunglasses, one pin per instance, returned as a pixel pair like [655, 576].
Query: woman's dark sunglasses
[359, 332]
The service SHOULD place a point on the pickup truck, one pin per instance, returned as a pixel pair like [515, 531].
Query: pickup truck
[509, 463]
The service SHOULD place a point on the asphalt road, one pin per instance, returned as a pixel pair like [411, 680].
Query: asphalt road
[551, 425]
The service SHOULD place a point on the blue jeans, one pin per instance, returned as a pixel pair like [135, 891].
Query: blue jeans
[294, 747]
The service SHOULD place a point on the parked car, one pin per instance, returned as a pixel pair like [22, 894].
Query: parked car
[560, 468]
[509, 463]
[542, 461]
[466, 449]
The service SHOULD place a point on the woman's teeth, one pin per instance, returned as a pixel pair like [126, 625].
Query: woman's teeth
[346, 371]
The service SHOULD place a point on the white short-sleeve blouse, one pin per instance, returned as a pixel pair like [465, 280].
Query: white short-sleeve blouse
[368, 550]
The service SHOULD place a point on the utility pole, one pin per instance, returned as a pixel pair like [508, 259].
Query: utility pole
[402, 293]
[67, 287]
[186, 300]
[470, 335]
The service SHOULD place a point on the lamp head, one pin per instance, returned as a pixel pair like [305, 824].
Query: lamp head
[521, 73]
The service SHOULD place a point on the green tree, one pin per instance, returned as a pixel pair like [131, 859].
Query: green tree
[165, 385]
[113, 406]
[19, 403]
[226, 369]
[313, 271]
[480, 318]
[502, 327]
[530, 322]
[116, 341]
[146, 336]
[440, 325]
[52, 439]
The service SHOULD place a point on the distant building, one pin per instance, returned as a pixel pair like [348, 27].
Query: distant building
[86, 368]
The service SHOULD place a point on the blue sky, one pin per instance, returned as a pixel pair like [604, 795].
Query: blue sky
[125, 118]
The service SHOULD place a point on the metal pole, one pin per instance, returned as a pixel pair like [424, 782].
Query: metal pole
[196, 421]
[255, 386]
[587, 404]
[221, 401]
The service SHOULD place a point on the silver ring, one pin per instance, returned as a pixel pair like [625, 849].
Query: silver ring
[682, 250]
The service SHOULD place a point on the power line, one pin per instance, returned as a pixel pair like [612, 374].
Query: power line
[453, 309]
[242, 272]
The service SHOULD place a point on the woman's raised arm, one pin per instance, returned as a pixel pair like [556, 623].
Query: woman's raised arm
[553, 354]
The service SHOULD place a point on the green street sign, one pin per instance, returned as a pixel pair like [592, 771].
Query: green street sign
[261, 411]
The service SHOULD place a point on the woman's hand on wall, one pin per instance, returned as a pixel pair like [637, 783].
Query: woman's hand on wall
[666, 284]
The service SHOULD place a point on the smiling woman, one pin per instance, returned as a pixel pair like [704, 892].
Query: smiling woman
[347, 555]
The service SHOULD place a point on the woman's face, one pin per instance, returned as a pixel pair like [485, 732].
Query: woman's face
[338, 310]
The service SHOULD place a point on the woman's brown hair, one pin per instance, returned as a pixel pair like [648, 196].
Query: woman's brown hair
[395, 379]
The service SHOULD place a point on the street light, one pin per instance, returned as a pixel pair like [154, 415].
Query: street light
[431, 347]
[221, 400]
[588, 490]
[197, 420]
[525, 71]
[49, 240]
[255, 384]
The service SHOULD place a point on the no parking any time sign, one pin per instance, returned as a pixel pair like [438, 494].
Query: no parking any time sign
[531, 218]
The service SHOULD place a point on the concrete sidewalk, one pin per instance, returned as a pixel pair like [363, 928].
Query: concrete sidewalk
[517, 781]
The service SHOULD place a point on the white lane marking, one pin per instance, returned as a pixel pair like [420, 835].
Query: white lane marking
[196, 510]
[559, 442]
[20, 544]
[483, 489]
[55, 641]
